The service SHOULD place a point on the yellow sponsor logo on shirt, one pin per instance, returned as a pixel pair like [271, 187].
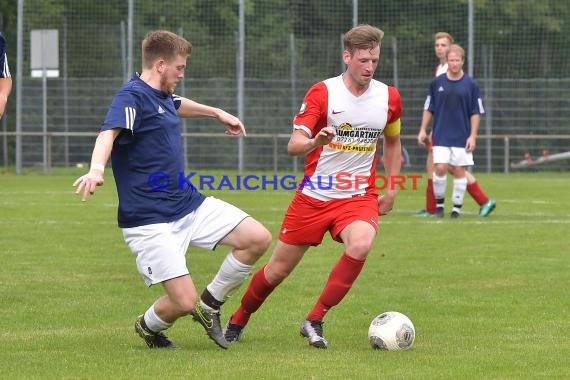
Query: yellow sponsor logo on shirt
[352, 148]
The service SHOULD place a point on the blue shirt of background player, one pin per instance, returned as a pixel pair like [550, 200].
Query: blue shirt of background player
[150, 142]
[4, 70]
[452, 103]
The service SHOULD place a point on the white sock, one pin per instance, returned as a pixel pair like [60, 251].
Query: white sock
[439, 185]
[229, 278]
[153, 321]
[459, 187]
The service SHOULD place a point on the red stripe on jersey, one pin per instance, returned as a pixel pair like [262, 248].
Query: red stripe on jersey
[314, 118]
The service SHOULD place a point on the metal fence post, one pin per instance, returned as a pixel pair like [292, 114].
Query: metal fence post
[48, 153]
[19, 75]
[507, 155]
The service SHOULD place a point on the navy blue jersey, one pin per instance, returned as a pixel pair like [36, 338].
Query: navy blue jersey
[147, 156]
[452, 103]
[4, 70]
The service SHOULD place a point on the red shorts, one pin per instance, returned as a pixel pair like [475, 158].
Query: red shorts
[308, 219]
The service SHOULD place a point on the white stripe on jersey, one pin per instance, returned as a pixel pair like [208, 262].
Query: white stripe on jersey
[177, 100]
[427, 102]
[5, 70]
[481, 109]
[130, 114]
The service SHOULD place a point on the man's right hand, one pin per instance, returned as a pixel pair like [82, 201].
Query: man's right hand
[88, 183]
[325, 136]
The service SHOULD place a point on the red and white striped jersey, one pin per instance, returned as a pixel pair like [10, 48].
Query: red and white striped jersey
[359, 121]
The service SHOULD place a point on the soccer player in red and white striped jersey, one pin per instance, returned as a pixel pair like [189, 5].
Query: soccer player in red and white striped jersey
[338, 129]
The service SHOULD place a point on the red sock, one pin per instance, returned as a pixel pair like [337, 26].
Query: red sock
[430, 197]
[257, 291]
[477, 193]
[339, 283]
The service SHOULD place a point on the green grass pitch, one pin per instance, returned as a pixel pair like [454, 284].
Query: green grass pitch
[489, 297]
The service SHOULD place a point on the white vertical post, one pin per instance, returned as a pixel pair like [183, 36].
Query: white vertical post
[507, 150]
[44, 107]
[124, 52]
[19, 60]
[130, 39]
[470, 37]
[294, 101]
[395, 59]
[65, 94]
[342, 65]
[44, 62]
[354, 13]
[184, 120]
[240, 79]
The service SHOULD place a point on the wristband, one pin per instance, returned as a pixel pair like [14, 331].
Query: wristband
[99, 167]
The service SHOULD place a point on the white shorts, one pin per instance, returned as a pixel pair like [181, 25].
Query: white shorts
[452, 156]
[160, 249]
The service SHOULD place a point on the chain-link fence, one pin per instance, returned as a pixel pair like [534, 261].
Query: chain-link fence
[519, 55]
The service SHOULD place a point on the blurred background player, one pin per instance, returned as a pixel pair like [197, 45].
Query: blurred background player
[142, 135]
[5, 77]
[442, 41]
[455, 104]
[354, 105]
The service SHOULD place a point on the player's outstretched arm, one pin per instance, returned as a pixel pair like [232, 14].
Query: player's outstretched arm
[191, 109]
[86, 184]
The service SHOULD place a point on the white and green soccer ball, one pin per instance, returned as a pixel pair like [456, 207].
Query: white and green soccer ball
[391, 331]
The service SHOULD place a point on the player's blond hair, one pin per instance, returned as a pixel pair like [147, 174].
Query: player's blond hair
[362, 37]
[162, 44]
[455, 48]
[439, 35]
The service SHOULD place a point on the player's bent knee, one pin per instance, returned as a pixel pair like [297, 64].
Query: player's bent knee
[259, 240]
[359, 250]
[265, 239]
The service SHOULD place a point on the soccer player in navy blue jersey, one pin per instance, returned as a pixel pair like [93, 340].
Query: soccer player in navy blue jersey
[161, 215]
[442, 41]
[5, 77]
[454, 103]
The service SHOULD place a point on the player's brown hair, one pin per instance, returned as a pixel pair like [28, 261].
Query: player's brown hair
[362, 37]
[162, 44]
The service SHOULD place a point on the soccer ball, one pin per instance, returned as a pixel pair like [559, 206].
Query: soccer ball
[391, 331]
